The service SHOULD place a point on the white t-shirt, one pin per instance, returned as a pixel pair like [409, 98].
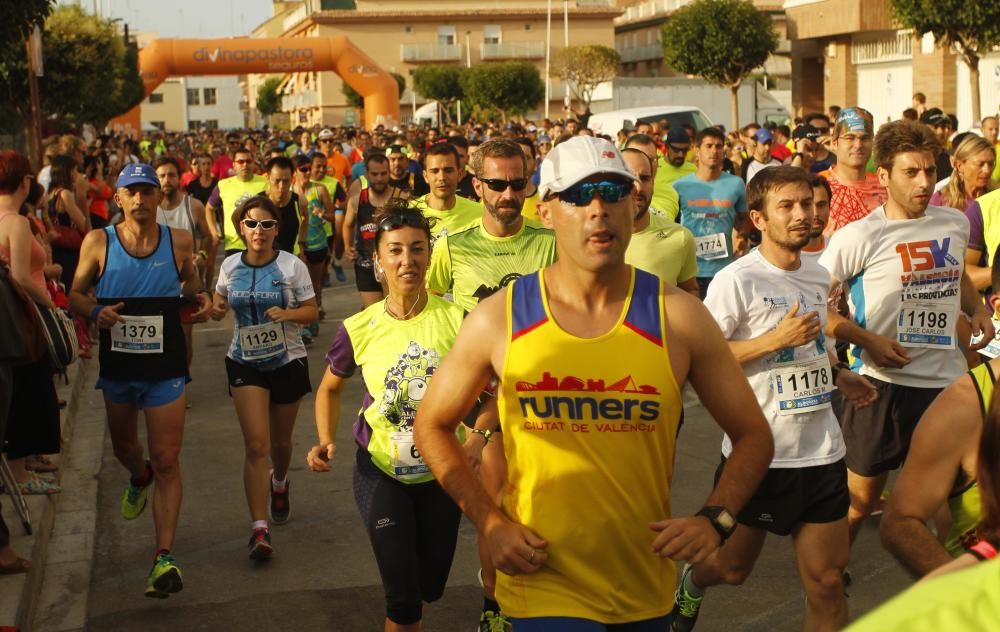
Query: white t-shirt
[756, 167]
[903, 279]
[748, 298]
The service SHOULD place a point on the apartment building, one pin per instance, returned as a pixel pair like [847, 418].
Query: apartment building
[638, 39]
[851, 52]
[402, 35]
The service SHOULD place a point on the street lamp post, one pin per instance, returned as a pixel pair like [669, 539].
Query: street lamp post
[548, 56]
[566, 45]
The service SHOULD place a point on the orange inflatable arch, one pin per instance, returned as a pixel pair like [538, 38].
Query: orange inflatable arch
[164, 58]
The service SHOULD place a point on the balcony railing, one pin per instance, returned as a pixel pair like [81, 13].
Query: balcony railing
[430, 52]
[648, 9]
[304, 99]
[513, 50]
[641, 53]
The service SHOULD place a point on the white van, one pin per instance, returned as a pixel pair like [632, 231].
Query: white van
[610, 122]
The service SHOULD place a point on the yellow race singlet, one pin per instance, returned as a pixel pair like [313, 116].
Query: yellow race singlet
[589, 429]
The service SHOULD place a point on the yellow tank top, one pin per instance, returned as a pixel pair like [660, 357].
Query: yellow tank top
[965, 504]
[589, 429]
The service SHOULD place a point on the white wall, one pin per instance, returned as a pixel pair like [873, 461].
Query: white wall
[228, 96]
[989, 90]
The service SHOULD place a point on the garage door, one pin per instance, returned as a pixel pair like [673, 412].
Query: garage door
[885, 89]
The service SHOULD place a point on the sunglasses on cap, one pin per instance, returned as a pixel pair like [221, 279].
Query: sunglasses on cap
[265, 224]
[517, 184]
[392, 222]
[581, 194]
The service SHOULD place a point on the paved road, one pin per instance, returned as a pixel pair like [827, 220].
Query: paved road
[323, 575]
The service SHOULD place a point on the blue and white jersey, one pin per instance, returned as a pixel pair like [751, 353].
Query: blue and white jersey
[251, 291]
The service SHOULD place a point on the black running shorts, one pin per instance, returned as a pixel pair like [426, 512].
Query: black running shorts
[790, 496]
[315, 257]
[364, 278]
[288, 383]
[878, 437]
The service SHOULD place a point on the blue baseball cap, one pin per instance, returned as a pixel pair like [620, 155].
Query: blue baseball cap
[763, 135]
[139, 173]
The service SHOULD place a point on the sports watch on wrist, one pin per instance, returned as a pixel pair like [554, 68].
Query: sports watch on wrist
[722, 521]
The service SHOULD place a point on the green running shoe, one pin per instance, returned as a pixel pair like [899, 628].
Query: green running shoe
[686, 606]
[491, 621]
[164, 578]
[134, 498]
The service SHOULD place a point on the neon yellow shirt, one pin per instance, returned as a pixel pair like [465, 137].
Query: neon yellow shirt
[463, 214]
[967, 600]
[397, 360]
[664, 248]
[473, 264]
[530, 208]
[233, 192]
[331, 185]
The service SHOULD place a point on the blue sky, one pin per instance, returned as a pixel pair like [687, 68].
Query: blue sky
[184, 18]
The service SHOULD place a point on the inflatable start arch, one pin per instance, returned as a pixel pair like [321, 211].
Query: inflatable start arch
[164, 58]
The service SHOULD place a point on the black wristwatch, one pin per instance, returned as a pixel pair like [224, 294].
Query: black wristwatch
[722, 521]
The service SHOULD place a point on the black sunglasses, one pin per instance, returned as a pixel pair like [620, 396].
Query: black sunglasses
[499, 186]
[393, 222]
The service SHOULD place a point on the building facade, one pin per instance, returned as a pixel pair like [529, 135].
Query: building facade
[402, 35]
[850, 52]
[638, 40]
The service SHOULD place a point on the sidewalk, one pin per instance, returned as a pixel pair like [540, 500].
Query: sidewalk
[52, 597]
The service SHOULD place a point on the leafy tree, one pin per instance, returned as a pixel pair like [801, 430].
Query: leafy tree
[268, 99]
[355, 100]
[441, 83]
[721, 41]
[971, 27]
[512, 88]
[17, 21]
[91, 73]
[583, 68]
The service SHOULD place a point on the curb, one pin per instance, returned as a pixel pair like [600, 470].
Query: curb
[34, 589]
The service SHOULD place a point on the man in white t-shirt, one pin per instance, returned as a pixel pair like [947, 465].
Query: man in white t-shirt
[902, 269]
[771, 306]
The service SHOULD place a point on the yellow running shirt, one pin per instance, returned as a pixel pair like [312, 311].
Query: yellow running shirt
[234, 192]
[589, 428]
[464, 213]
[664, 248]
[472, 264]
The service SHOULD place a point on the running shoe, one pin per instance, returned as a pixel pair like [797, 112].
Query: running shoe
[491, 621]
[314, 329]
[306, 335]
[686, 606]
[164, 578]
[134, 498]
[339, 272]
[280, 509]
[260, 545]
[322, 313]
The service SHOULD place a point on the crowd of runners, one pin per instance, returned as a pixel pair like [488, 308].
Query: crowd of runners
[535, 305]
